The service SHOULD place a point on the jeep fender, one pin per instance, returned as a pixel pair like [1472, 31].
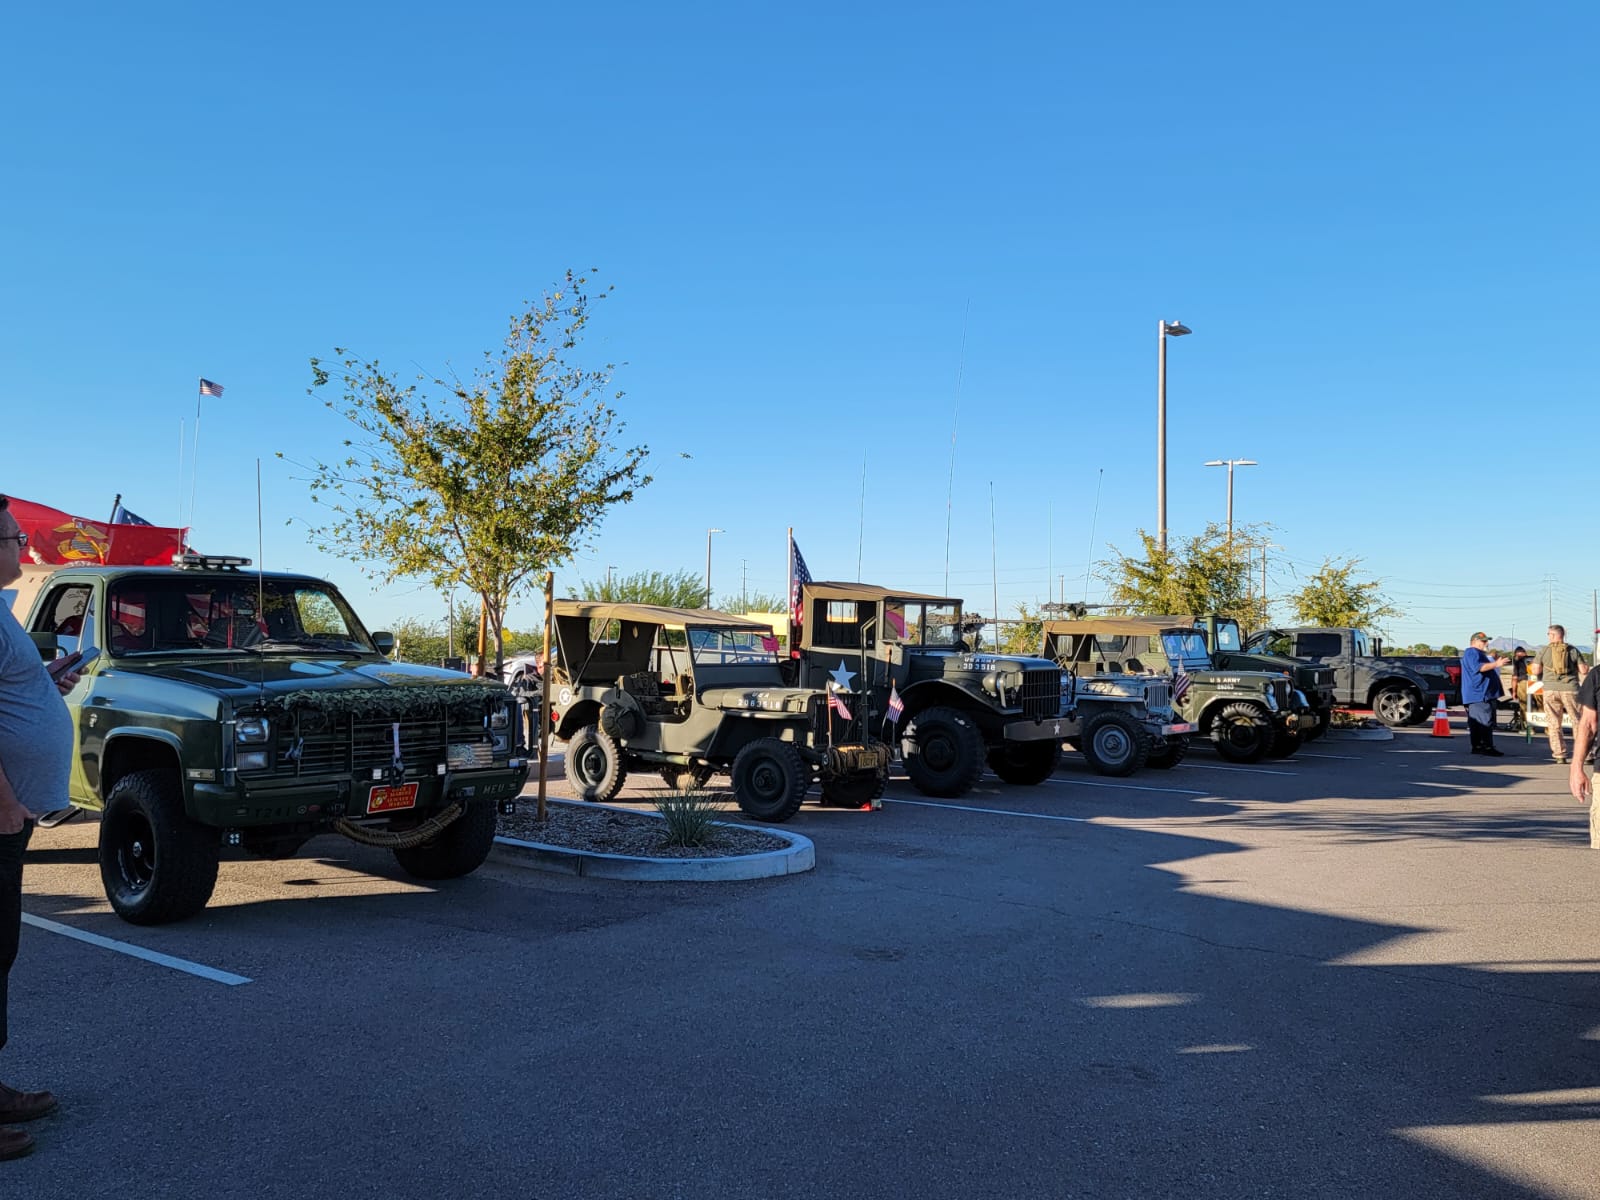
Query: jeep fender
[932, 692]
[584, 712]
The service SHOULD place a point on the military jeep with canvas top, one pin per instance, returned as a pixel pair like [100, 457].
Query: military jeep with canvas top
[1248, 715]
[694, 692]
[254, 710]
[960, 709]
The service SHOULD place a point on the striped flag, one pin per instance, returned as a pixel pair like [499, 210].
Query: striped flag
[896, 705]
[207, 388]
[799, 574]
[837, 704]
[1180, 684]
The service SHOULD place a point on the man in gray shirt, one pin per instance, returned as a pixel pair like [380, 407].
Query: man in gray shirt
[35, 759]
[1560, 668]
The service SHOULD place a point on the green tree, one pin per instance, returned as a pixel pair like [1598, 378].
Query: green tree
[484, 482]
[1194, 575]
[1024, 634]
[753, 602]
[1336, 596]
[669, 589]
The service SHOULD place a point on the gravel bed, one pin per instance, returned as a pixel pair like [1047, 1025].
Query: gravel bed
[610, 831]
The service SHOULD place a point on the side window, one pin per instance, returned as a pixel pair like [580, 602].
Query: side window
[1279, 643]
[68, 613]
[1318, 645]
[1362, 647]
[837, 623]
[1108, 647]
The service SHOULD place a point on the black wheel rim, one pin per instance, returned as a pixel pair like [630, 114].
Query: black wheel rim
[136, 852]
[1113, 745]
[938, 751]
[766, 781]
[1242, 733]
[591, 765]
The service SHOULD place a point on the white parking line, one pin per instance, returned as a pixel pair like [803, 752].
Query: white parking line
[996, 812]
[132, 951]
[1128, 787]
[1340, 757]
[1190, 765]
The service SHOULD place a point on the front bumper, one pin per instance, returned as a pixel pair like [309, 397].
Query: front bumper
[1056, 728]
[266, 801]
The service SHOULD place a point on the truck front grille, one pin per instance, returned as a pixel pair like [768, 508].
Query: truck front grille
[1158, 695]
[1041, 695]
[344, 744]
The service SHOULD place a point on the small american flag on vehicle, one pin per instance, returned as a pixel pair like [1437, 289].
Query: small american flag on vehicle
[1180, 684]
[896, 705]
[207, 388]
[837, 704]
[799, 574]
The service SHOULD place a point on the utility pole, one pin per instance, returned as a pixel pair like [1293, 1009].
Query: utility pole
[608, 581]
[744, 584]
[1549, 601]
[1265, 620]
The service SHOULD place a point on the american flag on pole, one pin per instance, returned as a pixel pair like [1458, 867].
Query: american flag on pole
[799, 575]
[837, 704]
[1180, 683]
[207, 388]
[896, 705]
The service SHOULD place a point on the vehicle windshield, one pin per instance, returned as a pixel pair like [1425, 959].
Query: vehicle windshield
[724, 647]
[941, 625]
[1188, 648]
[1228, 636]
[176, 613]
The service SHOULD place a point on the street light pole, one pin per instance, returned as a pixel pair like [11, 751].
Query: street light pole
[1231, 463]
[1166, 329]
[709, 532]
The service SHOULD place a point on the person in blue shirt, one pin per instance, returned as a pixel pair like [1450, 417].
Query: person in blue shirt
[1480, 689]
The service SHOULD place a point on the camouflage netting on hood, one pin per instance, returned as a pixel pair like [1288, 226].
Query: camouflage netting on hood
[462, 699]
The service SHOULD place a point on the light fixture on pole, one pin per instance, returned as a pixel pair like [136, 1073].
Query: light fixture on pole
[709, 532]
[1231, 463]
[1166, 329]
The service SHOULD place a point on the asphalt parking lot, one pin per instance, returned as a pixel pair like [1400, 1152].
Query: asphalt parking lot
[1369, 970]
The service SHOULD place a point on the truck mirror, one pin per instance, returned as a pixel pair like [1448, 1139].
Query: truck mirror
[384, 641]
[49, 645]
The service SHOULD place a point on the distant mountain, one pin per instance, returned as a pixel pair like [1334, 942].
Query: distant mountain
[1509, 644]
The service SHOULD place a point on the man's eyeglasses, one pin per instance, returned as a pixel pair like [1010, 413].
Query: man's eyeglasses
[21, 539]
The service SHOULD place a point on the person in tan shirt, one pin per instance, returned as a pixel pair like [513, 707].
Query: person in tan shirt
[1560, 668]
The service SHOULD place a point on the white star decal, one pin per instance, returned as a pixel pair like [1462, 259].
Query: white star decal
[842, 677]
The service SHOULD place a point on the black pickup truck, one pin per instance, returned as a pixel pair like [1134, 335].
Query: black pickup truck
[1399, 693]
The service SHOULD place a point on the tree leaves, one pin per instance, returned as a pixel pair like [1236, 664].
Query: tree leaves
[1334, 596]
[1194, 576]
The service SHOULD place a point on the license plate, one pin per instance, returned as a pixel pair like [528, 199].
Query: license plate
[386, 798]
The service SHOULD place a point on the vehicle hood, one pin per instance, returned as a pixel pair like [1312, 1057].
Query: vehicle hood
[278, 675]
[936, 663]
[758, 699]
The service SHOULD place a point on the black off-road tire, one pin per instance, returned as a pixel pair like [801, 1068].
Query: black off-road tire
[853, 791]
[1026, 764]
[459, 849]
[156, 864]
[686, 779]
[1397, 706]
[943, 752]
[1114, 744]
[1285, 743]
[594, 766]
[1242, 732]
[770, 780]
[1173, 752]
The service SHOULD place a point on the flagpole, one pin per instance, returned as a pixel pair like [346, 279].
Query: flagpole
[791, 592]
[182, 431]
[194, 469]
[111, 528]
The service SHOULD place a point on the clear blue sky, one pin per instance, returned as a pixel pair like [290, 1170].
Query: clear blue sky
[1377, 219]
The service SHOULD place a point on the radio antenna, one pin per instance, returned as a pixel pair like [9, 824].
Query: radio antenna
[955, 419]
[261, 577]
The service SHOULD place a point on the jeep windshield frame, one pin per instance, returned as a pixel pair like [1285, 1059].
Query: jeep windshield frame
[734, 656]
[935, 624]
[1186, 646]
[191, 613]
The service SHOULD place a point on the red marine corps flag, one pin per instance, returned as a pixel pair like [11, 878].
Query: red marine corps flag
[57, 538]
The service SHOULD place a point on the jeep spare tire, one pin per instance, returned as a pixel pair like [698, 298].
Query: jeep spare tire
[769, 780]
[1242, 732]
[943, 752]
[1114, 744]
[156, 864]
[1025, 763]
[594, 765]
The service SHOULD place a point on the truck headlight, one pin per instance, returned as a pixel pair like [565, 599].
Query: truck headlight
[252, 731]
[253, 760]
[500, 718]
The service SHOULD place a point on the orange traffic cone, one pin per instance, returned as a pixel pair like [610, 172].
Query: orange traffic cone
[1441, 719]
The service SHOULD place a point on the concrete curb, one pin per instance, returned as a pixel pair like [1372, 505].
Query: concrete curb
[800, 855]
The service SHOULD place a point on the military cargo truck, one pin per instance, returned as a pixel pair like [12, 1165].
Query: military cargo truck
[234, 708]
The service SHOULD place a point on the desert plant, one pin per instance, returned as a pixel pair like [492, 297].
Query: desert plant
[691, 818]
